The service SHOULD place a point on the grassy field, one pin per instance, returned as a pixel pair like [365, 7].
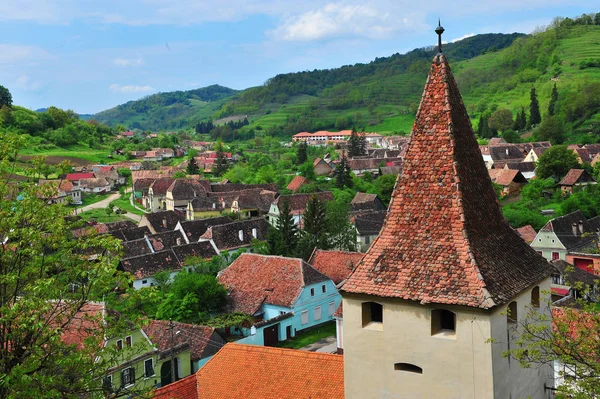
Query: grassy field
[79, 155]
[123, 203]
[89, 199]
[101, 217]
[311, 336]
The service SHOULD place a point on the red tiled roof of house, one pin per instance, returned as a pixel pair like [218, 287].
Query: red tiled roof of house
[337, 265]
[253, 279]
[572, 177]
[198, 337]
[444, 239]
[496, 141]
[186, 388]
[527, 233]
[339, 311]
[79, 176]
[84, 324]
[504, 177]
[297, 182]
[298, 202]
[240, 371]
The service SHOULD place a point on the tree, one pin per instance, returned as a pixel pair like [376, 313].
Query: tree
[287, 231]
[47, 280]
[520, 121]
[551, 129]
[501, 120]
[357, 144]
[192, 167]
[555, 162]
[511, 136]
[340, 232]
[192, 298]
[553, 100]
[314, 233]
[109, 209]
[302, 154]
[534, 109]
[221, 164]
[342, 173]
[5, 97]
[484, 131]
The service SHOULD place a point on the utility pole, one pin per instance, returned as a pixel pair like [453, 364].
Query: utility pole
[172, 345]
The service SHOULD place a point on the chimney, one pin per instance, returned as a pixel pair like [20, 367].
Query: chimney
[574, 228]
[195, 194]
[506, 150]
[164, 223]
[581, 227]
[178, 240]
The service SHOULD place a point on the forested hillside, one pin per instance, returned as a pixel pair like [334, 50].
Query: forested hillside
[172, 110]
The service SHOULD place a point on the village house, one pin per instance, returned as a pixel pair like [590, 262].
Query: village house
[445, 264]
[337, 265]
[111, 175]
[391, 170]
[165, 153]
[363, 202]
[161, 221]
[394, 142]
[322, 167]
[235, 235]
[75, 178]
[182, 191]
[297, 203]
[371, 165]
[570, 282]
[267, 372]
[367, 225]
[575, 178]
[297, 182]
[194, 229]
[374, 139]
[511, 180]
[62, 191]
[502, 154]
[152, 156]
[527, 233]
[322, 137]
[527, 169]
[95, 185]
[535, 154]
[157, 194]
[283, 295]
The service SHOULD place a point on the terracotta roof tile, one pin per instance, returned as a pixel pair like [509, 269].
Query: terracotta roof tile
[444, 239]
[575, 176]
[163, 221]
[298, 201]
[527, 233]
[227, 236]
[297, 182]
[337, 265]
[198, 337]
[504, 177]
[193, 229]
[185, 388]
[253, 279]
[239, 371]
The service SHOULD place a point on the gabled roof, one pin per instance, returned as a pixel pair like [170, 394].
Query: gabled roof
[134, 248]
[193, 229]
[197, 336]
[150, 264]
[504, 177]
[573, 274]
[143, 184]
[161, 185]
[506, 152]
[94, 182]
[391, 170]
[520, 166]
[567, 230]
[194, 249]
[166, 239]
[444, 239]
[87, 322]
[575, 176]
[527, 233]
[131, 234]
[297, 182]
[253, 279]
[239, 371]
[183, 389]
[163, 221]
[369, 223]
[496, 140]
[79, 176]
[186, 189]
[366, 202]
[227, 236]
[298, 201]
[337, 265]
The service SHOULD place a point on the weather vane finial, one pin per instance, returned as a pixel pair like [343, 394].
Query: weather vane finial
[439, 30]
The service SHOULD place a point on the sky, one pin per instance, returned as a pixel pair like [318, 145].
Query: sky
[91, 55]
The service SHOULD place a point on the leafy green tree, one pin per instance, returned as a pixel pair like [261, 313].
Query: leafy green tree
[192, 167]
[384, 185]
[307, 170]
[534, 109]
[553, 101]
[551, 129]
[511, 136]
[501, 120]
[5, 97]
[192, 298]
[221, 164]
[342, 173]
[110, 209]
[555, 162]
[302, 154]
[341, 233]
[6, 117]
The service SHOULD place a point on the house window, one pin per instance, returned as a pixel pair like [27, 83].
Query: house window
[331, 308]
[144, 281]
[411, 368]
[241, 235]
[555, 255]
[119, 344]
[535, 297]
[511, 314]
[318, 313]
[254, 232]
[540, 252]
[557, 279]
[539, 240]
[552, 241]
[107, 385]
[148, 368]
[372, 313]
[443, 321]
[312, 292]
[324, 288]
[304, 317]
[128, 340]
[128, 376]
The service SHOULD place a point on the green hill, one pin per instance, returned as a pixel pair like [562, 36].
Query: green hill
[172, 110]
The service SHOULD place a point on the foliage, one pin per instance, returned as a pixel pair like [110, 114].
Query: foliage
[556, 162]
[221, 164]
[283, 239]
[501, 120]
[520, 120]
[192, 298]
[357, 144]
[551, 129]
[302, 153]
[534, 109]
[553, 100]
[342, 173]
[315, 227]
[5, 97]
[192, 167]
[384, 186]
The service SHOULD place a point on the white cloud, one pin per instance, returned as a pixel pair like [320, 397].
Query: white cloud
[25, 83]
[458, 39]
[343, 20]
[117, 88]
[128, 62]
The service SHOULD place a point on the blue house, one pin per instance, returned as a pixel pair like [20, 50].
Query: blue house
[283, 295]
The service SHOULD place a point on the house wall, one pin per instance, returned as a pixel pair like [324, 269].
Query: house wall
[150, 281]
[458, 366]
[364, 242]
[339, 334]
[308, 303]
[510, 379]
[547, 243]
[595, 258]
[322, 169]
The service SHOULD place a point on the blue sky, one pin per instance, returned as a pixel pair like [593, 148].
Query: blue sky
[90, 55]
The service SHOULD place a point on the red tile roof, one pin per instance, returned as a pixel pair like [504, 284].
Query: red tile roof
[86, 323]
[527, 233]
[575, 176]
[504, 177]
[79, 176]
[297, 182]
[198, 337]
[253, 279]
[337, 265]
[242, 371]
[444, 239]
[185, 388]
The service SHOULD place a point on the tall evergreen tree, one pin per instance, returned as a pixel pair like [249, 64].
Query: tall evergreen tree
[314, 233]
[5, 97]
[221, 164]
[192, 167]
[288, 232]
[363, 144]
[534, 109]
[553, 100]
[520, 120]
[342, 173]
[302, 154]
[354, 144]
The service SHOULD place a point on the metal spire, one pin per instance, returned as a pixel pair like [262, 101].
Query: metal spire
[439, 30]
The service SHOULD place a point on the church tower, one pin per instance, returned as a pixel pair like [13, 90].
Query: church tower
[437, 298]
